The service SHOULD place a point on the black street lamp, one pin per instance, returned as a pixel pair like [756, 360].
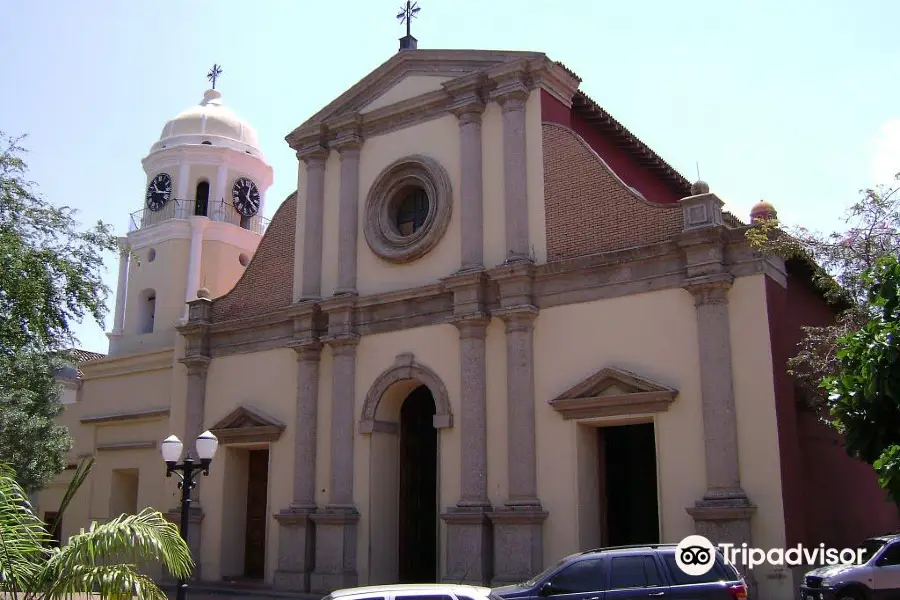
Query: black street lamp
[188, 470]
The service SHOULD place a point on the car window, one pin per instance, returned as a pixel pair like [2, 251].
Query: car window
[890, 557]
[636, 571]
[583, 576]
[717, 573]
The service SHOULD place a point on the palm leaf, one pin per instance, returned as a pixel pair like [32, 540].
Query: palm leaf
[23, 536]
[102, 559]
[81, 473]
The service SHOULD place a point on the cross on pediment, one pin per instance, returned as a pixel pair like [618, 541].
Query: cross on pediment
[613, 392]
[247, 425]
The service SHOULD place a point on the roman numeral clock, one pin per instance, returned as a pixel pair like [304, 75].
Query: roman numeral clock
[159, 191]
[245, 197]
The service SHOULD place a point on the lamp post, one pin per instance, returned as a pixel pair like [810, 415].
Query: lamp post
[188, 470]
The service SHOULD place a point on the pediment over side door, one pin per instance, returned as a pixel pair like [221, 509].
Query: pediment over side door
[247, 425]
[613, 392]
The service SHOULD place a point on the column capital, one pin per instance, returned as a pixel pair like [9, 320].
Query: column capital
[710, 290]
[314, 155]
[473, 326]
[344, 344]
[307, 350]
[518, 318]
[348, 144]
[196, 365]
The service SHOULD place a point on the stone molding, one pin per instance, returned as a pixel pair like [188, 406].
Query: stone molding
[246, 424]
[380, 230]
[149, 445]
[406, 367]
[150, 414]
[613, 392]
[472, 71]
[650, 268]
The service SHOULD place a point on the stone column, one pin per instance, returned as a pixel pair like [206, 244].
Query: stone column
[725, 511]
[198, 225]
[215, 209]
[181, 189]
[515, 176]
[314, 158]
[469, 534]
[122, 285]
[296, 541]
[348, 216]
[518, 526]
[471, 188]
[195, 407]
[336, 524]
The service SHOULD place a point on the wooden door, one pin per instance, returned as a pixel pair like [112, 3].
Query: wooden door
[255, 540]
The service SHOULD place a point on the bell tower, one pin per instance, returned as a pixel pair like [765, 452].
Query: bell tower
[201, 222]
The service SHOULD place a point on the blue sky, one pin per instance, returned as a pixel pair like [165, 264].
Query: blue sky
[794, 102]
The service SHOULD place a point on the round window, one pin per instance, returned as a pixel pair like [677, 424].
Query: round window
[411, 210]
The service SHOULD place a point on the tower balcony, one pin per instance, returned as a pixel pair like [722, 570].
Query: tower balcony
[220, 211]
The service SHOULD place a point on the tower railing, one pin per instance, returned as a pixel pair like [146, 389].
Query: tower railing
[220, 211]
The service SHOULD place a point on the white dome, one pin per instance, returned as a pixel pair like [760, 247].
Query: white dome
[209, 122]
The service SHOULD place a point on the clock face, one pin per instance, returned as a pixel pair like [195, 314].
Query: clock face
[159, 191]
[245, 197]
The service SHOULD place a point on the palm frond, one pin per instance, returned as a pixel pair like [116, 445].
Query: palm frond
[23, 536]
[81, 473]
[129, 539]
[108, 582]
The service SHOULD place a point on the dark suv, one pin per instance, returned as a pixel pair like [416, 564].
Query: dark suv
[628, 573]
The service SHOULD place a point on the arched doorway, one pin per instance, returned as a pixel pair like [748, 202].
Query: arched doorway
[418, 505]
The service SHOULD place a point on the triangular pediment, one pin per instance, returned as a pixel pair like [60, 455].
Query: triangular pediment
[246, 424]
[613, 392]
[407, 75]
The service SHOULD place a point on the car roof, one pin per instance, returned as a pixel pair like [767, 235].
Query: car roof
[410, 587]
[629, 549]
[889, 537]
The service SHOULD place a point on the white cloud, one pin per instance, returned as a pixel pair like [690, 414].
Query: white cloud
[886, 159]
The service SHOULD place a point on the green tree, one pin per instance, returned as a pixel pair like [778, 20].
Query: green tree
[864, 394]
[849, 368]
[50, 278]
[104, 559]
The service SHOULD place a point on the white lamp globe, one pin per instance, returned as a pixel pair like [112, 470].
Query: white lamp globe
[171, 449]
[206, 445]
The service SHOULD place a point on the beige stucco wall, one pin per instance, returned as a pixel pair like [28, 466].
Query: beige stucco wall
[220, 266]
[267, 382]
[161, 275]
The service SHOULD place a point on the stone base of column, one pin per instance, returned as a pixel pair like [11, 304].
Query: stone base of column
[518, 543]
[724, 518]
[296, 548]
[335, 545]
[195, 521]
[470, 542]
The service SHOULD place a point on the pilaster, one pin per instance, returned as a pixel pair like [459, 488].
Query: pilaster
[336, 523]
[348, 144]
[296, 541]
[314, 155]
[518, 525]
[469, 534]
[724, 512]
[512, 93]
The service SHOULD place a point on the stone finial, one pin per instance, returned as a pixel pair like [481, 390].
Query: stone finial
[204, 292]
[762, 210]
[699, 187]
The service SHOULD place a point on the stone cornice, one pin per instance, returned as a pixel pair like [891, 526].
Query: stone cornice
[202, 154]
[148, 445]
[150, 414]
[489, 293]
[114, 366]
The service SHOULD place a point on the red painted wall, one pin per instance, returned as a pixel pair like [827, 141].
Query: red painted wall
[620, 161]
[828, 497]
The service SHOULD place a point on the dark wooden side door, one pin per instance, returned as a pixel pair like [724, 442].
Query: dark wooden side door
[418, 489]
[255, 540]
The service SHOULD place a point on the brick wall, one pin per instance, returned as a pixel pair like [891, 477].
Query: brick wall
[268, 282]
[588, 209]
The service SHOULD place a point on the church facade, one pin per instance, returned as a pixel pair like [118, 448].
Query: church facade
[491, 328]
